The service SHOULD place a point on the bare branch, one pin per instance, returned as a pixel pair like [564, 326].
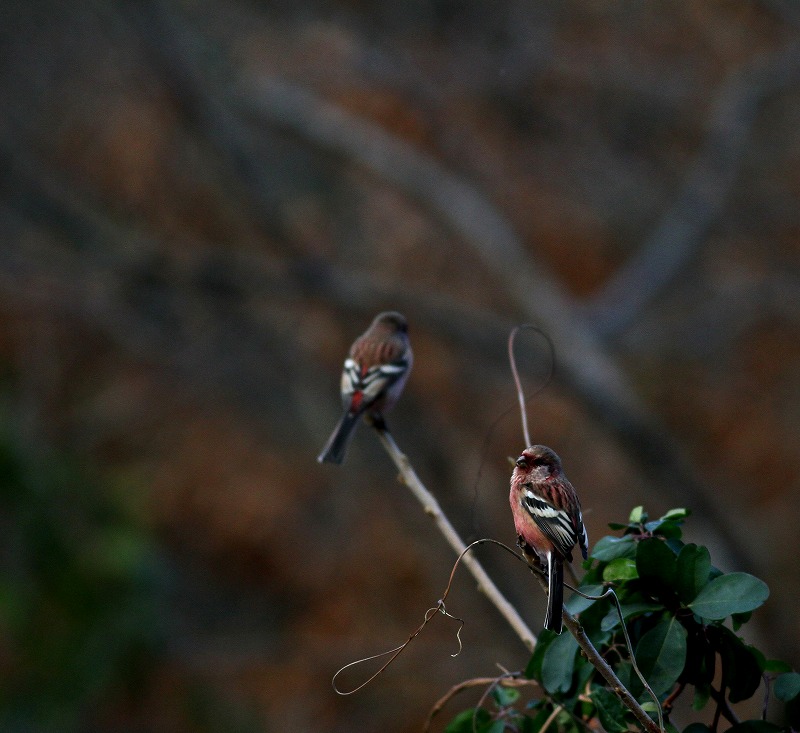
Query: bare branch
[432, 509]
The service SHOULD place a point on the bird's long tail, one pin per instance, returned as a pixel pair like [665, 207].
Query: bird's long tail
[555, 593]
[336, 447]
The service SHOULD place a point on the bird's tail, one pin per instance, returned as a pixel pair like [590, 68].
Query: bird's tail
[336, 447]
[555, 593]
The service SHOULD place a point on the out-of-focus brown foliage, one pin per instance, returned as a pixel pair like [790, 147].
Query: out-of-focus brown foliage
[180, 279]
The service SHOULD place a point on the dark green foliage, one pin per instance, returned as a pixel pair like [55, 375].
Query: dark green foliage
[661, 654]
[787, 686]
[730, 594]
[78, 623]
[682, 615]
[558, 663]
[470, 720]
[610, 710]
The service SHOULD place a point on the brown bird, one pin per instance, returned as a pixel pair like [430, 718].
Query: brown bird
[548, 520]
[373, 377]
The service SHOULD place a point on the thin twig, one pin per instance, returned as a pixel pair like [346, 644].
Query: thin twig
[431, 506]
[614, 683]
[718, 696]
[673, 696]
[512, 679]
[518, 383]
[398, 650]
[550, 718]
[765, 707]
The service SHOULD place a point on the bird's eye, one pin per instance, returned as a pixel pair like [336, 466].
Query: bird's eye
[539, 462]
[521, 462]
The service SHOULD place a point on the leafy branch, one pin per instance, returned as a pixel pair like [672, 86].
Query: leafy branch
[681, 614]
[487, 586]
[669, 605]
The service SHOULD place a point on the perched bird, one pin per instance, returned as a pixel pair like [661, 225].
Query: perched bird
[548, 520]
[373, 377]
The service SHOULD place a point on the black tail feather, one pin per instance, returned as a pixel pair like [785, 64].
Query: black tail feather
[555, 593]
[336, 447]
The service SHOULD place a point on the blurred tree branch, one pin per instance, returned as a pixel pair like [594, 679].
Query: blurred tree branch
[683, 229]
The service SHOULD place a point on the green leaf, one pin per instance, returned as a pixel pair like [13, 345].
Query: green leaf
[738, 619]
[777, 666]
[630, 610]
[693, 569]
[535, 724]
[665, 528]
[625, 673]
[559, 663]
[741, 670]
[505, 696]
[577, 603]
[697, 728]
[584, 669]
[661, 654]
[787, 686]
[675, 545]
[679, 513]
[638, 515]
[729, 593]
[654, 560]
[609, 709]
[534, 669]
[701, 695]
[468, 721]
[609, 548]
[623, 568]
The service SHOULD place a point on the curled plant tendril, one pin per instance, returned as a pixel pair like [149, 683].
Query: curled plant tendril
[429, 615]
[398, 650]
[461, 623]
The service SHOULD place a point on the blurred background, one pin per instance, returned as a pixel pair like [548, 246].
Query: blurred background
[203, 203]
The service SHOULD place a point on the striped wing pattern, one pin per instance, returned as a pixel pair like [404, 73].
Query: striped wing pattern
[362, 388]
[562, 529]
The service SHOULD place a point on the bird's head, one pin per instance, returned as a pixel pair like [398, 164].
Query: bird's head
[391, 321]
[537, 463]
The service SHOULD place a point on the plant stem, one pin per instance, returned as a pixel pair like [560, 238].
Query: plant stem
[723, 708]
[614, 683]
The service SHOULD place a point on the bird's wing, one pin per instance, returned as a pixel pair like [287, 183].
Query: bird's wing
[556, 524]
[368, 385]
